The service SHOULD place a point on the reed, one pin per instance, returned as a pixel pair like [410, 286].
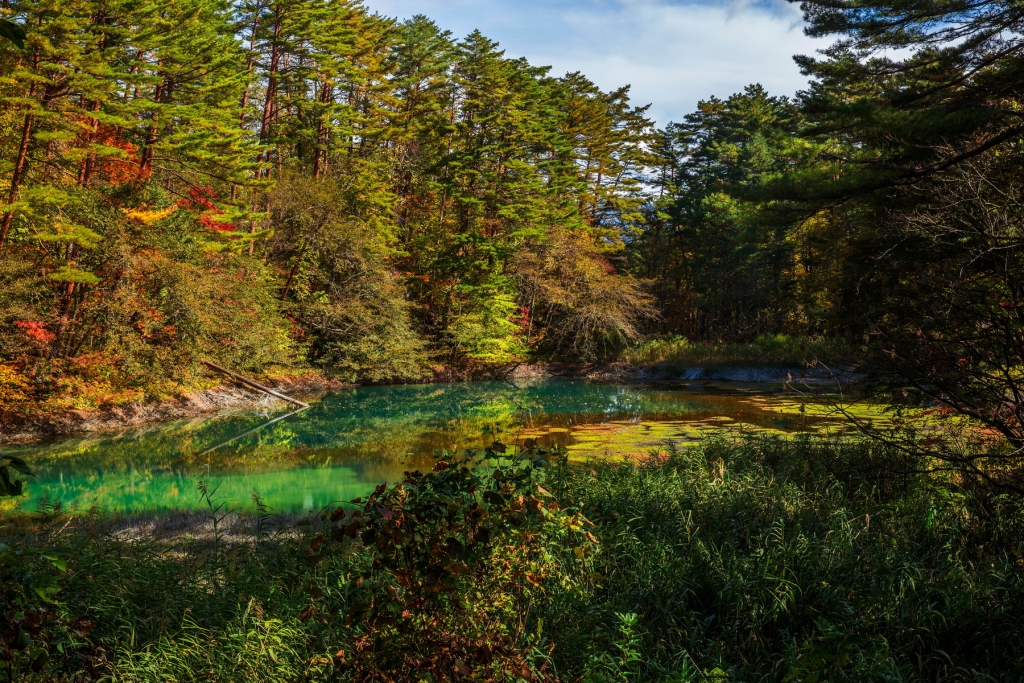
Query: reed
[807, 560]
[759, 560]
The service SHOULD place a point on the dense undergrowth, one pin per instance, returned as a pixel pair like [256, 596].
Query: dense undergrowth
[766, 560]
[769, 349]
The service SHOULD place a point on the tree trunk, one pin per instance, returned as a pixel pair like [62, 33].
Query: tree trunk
[146, 162]
[89, 163]
[295, 268]
[19, 164]
[250, 63]
[268, 112]
[65, 305]
[275, 61]
[19, 169]
[320, 153]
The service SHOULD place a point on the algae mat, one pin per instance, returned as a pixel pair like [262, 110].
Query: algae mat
[357, 438]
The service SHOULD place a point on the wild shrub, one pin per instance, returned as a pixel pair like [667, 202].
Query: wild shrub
[459, 561]
[580, 305]
[350, 308]
[767, 560]
[29, 580]
[440, 577]
[157, 295]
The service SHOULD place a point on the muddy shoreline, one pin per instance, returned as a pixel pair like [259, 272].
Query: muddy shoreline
[231, 397]
[225, 398]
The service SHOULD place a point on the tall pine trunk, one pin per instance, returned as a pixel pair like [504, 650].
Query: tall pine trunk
[322, 133]
[268, 113]
[249, 64]
[19, 169]
[146, 163]
[20, 162]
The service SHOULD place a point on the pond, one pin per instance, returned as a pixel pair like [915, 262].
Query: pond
[354, 439]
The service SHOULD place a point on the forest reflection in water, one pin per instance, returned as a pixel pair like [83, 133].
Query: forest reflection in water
[357, 438]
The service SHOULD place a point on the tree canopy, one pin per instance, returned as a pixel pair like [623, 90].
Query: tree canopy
[294, 183]
[283, 182]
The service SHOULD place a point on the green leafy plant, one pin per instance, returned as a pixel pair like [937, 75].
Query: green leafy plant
[459, 557]
[9, 486]
[13, 33]
[622, 663]
[28, 584]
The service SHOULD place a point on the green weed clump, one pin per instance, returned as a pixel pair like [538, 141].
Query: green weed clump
[769, 349]
[806, 560]
[439, 575]
[762, 560]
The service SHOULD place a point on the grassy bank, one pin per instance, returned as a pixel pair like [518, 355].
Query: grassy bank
[778, 349]
[757, 561]
[96, 393]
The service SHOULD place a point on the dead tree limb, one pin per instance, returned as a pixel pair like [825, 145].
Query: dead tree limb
[255, 385]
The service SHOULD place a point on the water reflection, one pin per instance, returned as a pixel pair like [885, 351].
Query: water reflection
[357, 438]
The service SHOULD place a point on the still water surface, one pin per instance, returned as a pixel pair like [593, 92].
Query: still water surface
[354, 439]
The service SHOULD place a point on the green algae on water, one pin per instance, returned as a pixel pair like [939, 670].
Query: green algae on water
[355, 439]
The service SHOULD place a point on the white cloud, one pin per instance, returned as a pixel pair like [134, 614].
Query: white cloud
[673, 53]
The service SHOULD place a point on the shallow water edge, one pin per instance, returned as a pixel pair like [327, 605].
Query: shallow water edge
[232, 397]
[356, 438]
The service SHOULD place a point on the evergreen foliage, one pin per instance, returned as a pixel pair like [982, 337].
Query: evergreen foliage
[880, 206]
[277, 184]
[291, 182]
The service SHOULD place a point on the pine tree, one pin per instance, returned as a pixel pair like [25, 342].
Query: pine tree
[605, 140]
[900, 119]
[711, 220]
[421, 61]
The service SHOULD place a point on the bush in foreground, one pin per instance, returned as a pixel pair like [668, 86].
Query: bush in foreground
[798, 561]
[765, 560]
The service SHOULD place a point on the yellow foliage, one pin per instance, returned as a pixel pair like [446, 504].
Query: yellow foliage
[149, 217]
[13, 386]
[77, 393]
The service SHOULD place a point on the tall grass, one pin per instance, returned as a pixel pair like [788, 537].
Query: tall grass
[226, 605]
[766, 560]
[797, 561]
[778, 349]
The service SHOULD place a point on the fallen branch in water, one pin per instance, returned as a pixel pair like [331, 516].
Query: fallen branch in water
[255, 385]
[252, 431]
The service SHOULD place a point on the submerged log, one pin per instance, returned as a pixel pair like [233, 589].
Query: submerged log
[255, 385]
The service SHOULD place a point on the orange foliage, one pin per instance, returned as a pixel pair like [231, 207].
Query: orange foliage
[118, 170]
[36, 330]
[89, 380]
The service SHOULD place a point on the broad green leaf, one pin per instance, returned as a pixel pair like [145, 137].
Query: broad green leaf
[17, 464]
[13, 33]
[45, 592]
[56, 562]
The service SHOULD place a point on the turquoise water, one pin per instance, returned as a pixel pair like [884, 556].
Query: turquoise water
[354, 439]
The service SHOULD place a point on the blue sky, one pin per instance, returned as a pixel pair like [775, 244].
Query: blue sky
[674, 53]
